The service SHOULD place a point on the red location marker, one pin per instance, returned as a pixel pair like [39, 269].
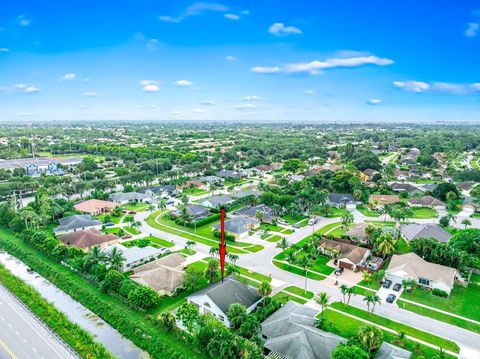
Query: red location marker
[223, 247]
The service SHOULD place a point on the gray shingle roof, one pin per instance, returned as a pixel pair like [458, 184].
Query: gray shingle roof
[130, 196]
[218, 200]
[238, 225]
[231, 291]
[291, 332]
[76, 221]
[414, 231]
[194, 210]
[389, 351]
[252, 211]
[341, 198]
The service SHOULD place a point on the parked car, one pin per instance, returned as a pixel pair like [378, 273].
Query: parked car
[170, 203]
[391, 298]
[281, 221]
[387, 283]
[109, 224]
[127, 236]
[132, 212]
[339, 270]
[296, 226]
[397, 287]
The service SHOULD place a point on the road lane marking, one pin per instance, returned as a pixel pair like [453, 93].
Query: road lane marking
[8, 350]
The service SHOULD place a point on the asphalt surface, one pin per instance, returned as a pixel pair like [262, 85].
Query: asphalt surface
[22, 337]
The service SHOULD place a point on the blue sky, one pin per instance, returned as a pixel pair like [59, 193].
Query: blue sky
[244, 60]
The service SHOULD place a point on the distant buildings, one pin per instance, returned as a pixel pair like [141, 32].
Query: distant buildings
[380, 200]
[37, 165]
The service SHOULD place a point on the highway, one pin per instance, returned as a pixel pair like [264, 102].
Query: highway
[21, 336]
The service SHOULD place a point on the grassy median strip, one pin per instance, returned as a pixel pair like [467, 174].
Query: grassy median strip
[284, 297]
[398, 327]
[458, 322]
[80, 340]
[298, 271]
[347, 327]
[299, 291]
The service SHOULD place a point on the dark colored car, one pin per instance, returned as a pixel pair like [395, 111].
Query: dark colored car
[132, 212]
[339, 271]
[391, 298]
[397, 287]
[109, 224]
[387, 283]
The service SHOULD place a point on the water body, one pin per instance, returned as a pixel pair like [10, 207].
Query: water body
[76, 312]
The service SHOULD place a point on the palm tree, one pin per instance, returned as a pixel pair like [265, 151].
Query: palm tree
[283, 244]
[304, 262]
[375, 300]
[265, 289]
[370, 337]
[168, 320]
[372, 300]
[386, 244]
[347, 218]
[322, 299]
[291, 257]
[233, 258]
[343, 290]
[214, 251]
[440, 354]
[190, 244]
[115, 258]
[466, 222]
[162, 204]
[368, 299]
[350, 291]
[96, 255]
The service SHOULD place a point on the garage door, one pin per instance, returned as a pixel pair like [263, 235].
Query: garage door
[345, 265]
[395, 278]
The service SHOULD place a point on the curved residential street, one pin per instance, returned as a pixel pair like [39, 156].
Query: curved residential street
[261, 262]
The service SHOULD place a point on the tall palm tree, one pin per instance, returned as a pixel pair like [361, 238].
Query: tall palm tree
[304, 262]
[265, 289]
[213, 251]
[370, 337]
[96, 255]
[233, 258]
[115, 258]
[283, 244]
[322, 299]
[375, 300]
[291, 257]
[162, 204]
[190, 244]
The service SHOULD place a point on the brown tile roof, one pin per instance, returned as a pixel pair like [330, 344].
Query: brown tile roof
[383, 199]
[346, 250]
[95, 206]
[87, 238]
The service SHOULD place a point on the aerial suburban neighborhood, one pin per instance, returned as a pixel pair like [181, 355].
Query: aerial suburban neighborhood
[239, 180]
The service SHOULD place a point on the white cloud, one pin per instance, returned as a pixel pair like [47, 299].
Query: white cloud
[23, 21]
[150, 85]
[22, 88]
[315, 67]
[309, 92]
[232, 16]
[4, 49]
[69, 76]
[199, 110]
[279, 29]
[438, 87]
[247, 107]
[183, 83]
[374, 101]
[208, 103]
[90, 94]
[412, 86]
[196, 9]
[245, 12]
[251, 98]
[472, 29]
[231, 58]
[152, 44]
[176, 113]
[266, 69]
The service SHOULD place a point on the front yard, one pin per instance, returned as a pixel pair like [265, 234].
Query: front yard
[367, 211]
[422, 213]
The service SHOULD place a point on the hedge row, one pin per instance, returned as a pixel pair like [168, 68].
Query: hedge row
[80, 340]
[137, 327]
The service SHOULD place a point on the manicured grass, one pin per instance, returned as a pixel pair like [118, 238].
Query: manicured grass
[274, 238]
[254, 248]
[136, 206]
[271, 227]
[372, 284]
[111, 230]
[131, 230]
[297, 271]
[402, 247]
[194, 191]
[320, 265]
[258, 276]
[363, 291]
[424, 212]
[284, 297]
[299, 291]
[439, 316]
[413, 332]
[188, 252]
[347, 327]
[462, 301]
[367, 211]
[338, 232]
[287, 231]
[338, 212]
[113, 219]
[160, 241]
[292, 220]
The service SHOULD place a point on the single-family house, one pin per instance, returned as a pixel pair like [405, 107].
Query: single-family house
[291, 333]
[216, 201]
[380, 200]
[426, 274]
[350, 255]
[239, 226]
[218, 297]
[75, 223]
[390, 351]
[194, 210]
[466, 186]
[404, 187]
[428, 202]
[359, 232]
[246, 192]
[211, 180]
[469, 205]
[163, 275]
[426, 230]
[95, 207]
[135, 256]
[369, 173]
[400, 174]
[342, 200]
[128, 197]
[193, 183]
[266, 213]
[230, 174]
[88, 238]
[161, 190]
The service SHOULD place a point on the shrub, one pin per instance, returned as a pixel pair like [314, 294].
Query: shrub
[228, 236]
[143, 243]
[439, 293]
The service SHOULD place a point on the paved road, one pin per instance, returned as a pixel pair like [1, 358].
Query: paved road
[21, 336]
[261, 262]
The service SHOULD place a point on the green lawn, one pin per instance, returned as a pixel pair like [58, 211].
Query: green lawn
[372, 284]
[159, 241]
[338, 212]
[439, 316]
[462, 301]
[299, 291]
[413, 332]
[136, 206]
[258, 276]
[271, 227]
[367, 212]
[422, 212]
[111, 230]
[284, 297]
[402, 247]
[113, 219]
[347, 327]
[194, 191]
[297, 271]
[275, 238]
[287, 231]
[338, 232]
[131, 230]
[292, 220]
